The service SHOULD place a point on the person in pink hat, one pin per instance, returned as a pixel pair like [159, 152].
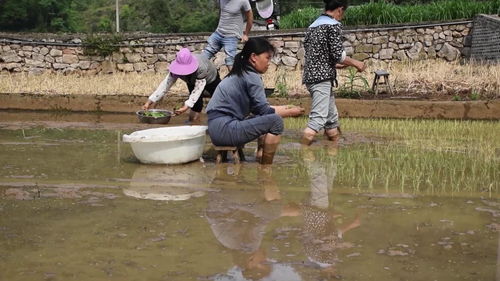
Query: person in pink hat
[199, 73]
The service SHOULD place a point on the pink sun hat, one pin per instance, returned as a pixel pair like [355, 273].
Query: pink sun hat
[185, 63]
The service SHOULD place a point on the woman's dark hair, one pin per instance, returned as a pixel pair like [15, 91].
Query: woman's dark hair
[331, 5]
[254, 45]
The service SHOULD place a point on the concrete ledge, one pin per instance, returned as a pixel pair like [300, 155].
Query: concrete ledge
[484, 110]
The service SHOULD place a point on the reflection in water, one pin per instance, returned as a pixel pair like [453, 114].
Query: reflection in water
[238, 220]
[170, 182]
[320, 236]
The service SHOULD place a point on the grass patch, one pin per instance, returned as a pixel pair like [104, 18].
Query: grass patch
[382, 12]
[415, 156]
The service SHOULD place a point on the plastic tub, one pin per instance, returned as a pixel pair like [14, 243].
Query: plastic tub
[169, 145]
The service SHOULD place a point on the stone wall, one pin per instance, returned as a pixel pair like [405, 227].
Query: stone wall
[153, 53]
[485, 43]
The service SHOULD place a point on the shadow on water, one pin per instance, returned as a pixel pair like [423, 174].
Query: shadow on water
[75, 204]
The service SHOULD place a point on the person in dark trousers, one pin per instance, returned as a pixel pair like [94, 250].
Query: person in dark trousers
[323, 54]
[199, 73]
[239, 112]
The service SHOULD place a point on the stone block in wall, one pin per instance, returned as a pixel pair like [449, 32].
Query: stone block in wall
[151, 59]
[416, 51]
[108, 67]
[289, 61]
[449, 52]
[49, 59]
[55, 53]
[44, 51]
[162, 57]
[431, 52]
[118, 57]
[59, 66]
[292, 45]
[84, 65]
[350, 37]
[140, 66]
[361, 56]
[27, 48]
[126, 67]
[10, 56]
[386, 54]
[277, 43]
[16, 67]
[380, 40]
[161, 67]
[69, 58]
[392, 46]
[364, 48]
[301, 53]
[38, 57]
[148, 50]
[400, 55]
[133, 57]
[68, 51]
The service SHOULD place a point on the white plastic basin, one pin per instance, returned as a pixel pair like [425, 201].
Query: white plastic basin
[168, 145]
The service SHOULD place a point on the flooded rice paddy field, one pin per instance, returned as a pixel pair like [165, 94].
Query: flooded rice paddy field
[396, 200]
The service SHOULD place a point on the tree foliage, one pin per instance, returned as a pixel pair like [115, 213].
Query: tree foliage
[161, 16]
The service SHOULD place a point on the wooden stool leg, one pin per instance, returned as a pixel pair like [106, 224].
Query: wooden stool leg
[218, 158]
[374, 81]
[240, 153]
[236, 157]
[389, 85]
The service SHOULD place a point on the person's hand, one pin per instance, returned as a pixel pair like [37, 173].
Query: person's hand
[148, 105]
[181, 110]
[296, 111]
[360, 66]
[244, 38]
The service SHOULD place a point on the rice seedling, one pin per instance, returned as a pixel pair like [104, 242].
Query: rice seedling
[418, 156]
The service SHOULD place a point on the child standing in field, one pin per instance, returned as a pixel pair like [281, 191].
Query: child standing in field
[323, 54]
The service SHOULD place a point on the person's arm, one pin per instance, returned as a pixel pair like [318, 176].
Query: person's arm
[248, 27]
[288, 110]
[158, 94]
[199, 86]
[359, 65]
[339, 53]
[255, 88]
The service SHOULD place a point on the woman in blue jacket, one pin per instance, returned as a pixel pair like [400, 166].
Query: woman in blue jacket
[239, 112]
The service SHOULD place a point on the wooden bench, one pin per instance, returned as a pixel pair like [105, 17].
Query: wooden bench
[236, 154]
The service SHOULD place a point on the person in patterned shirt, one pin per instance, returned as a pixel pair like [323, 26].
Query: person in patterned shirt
[323, 54]
[199, 73]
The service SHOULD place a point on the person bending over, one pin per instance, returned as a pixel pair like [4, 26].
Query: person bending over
[198, 72]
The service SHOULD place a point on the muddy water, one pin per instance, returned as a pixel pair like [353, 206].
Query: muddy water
[76, 205]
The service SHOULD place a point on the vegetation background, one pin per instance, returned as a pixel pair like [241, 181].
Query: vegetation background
[173, 16]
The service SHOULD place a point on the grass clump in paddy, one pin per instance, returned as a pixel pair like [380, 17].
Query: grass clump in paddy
[415, 156]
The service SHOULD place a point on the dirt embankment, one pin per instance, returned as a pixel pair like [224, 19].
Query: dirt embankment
[381, 108]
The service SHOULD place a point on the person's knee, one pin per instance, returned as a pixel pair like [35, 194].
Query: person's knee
[278, 125]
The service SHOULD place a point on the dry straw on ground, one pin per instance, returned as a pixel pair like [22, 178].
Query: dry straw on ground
[425, 79]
